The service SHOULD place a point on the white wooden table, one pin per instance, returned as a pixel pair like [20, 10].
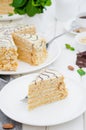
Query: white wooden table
[60, 64]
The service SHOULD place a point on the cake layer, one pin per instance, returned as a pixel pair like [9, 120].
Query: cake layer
[49, 84]
[47, 93]
[5, 8]
[48, 87]
[47, 100]
[31, 48]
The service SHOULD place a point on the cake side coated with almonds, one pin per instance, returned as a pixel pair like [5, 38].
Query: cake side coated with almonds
[8, 53]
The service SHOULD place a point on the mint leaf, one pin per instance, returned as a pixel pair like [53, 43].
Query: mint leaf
[30, 7]
[18, 3]
[68, 46]
[20, 11]
[72, 48]
[32, 10]
[48, 2]
[81, 72]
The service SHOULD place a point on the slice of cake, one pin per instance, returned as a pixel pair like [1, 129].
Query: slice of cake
[48, 87]
[8, 53]
[31, 48]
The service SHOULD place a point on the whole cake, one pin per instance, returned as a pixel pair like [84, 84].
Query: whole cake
[8, 53]
[22, 43]
[5, 8]
[48, 87]
[31, 48]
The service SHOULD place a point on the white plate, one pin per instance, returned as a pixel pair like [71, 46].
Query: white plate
[6, 17]
[53, 53]
[50, 114]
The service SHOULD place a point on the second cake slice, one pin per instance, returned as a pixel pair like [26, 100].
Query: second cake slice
[48, 87]
[31, 48]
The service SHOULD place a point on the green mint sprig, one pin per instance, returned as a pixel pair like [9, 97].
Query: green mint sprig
[68, 46]
[81, 72]
[30, 7]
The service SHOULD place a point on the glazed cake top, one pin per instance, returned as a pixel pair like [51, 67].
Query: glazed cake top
[47, 74]
[7, 30]
[35, 40]
[7, 41]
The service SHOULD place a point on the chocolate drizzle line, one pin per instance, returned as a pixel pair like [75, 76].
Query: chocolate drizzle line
[45, 75]
[40, 77]
[52, 73]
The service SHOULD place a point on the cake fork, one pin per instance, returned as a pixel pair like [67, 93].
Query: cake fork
[25, 99]
[73, 25]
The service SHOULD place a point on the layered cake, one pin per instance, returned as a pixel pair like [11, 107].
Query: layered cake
[31, 48]
[5, 7]
[48, 87]
[8, 53]
[24, 42]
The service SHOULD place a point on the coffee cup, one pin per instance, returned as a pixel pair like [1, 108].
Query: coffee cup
[81, 19]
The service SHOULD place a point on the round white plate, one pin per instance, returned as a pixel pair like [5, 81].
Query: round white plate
[67, 26]
[6, 17]
[54, 51]
[50, 114]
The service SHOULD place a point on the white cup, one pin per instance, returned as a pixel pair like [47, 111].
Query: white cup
[81, 19]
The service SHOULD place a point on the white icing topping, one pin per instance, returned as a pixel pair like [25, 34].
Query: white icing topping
[35, 40]
[32, 38]
[6, 41]
[6, 30]
[47, 74]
